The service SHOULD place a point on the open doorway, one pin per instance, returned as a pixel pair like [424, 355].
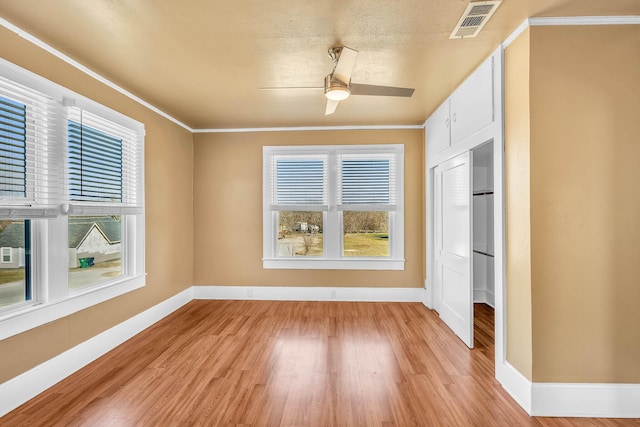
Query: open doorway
[464, 223]
[483, 246]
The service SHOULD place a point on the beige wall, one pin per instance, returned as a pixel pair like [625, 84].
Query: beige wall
[169, 217]
[585, 200]
[518, 228]
[572, 157]
[228, 210]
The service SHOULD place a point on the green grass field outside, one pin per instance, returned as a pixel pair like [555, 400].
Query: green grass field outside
[9, 275]
[366, 244]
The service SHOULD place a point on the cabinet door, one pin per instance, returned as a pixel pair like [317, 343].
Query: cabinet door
[438, 130]
[472, 103]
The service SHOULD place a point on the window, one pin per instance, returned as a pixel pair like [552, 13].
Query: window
[103, 187]
[6, 255]
[333, 207]
[71, 202]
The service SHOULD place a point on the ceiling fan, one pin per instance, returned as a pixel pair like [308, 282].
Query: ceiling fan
[338, 86]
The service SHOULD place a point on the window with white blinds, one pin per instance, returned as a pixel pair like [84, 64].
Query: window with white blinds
[104, 165]
[367, 182]
[299, 183]
[323, 204]
[71, 200]
[30, 178]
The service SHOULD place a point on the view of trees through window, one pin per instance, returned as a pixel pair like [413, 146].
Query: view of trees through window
[365, 234]
[300, 233]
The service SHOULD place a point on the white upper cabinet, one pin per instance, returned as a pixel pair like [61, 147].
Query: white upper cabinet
[472, 103]
[438, 129]
[469, 109]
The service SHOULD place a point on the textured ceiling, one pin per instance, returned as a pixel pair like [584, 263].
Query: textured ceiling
[202, 61]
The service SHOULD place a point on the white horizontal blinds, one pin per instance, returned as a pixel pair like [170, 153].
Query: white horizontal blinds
[104, 174]
[13, 148]
[30, 179]
[367, 182]
[299, 182]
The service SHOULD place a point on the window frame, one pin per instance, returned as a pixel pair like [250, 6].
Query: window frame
[51, 297]
[333, 257]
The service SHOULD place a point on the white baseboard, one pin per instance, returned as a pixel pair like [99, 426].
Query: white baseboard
[516, 384]
[484, 296]
[26, 386]
[428, 296]
[570, 400]
[586, 400]
[295, 293]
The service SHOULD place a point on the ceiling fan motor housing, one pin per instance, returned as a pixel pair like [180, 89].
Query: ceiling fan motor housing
[334, 89]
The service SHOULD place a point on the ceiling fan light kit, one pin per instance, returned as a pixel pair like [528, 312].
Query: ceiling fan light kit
[334, 90]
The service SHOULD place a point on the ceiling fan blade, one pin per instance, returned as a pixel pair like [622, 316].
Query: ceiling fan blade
[290, 87]
[331, 107]
[357, 89]
[345, 64]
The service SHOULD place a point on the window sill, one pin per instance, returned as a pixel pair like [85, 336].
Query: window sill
[28, 317]
[333, 264]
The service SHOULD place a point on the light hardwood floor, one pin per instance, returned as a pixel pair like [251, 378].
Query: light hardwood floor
[264, 363]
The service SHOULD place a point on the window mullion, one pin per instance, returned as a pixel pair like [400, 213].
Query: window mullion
[56, 258]
[333, 229]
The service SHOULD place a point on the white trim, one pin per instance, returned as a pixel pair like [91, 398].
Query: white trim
[308, 128]
[586, 400]
[516, 33]
[25, 318]
[484, 296]
[309, 263]
[297, 293]
[569, 20]
[428, 296]
[584, 20]
[26, 386]
[516, 384]
[55, 52]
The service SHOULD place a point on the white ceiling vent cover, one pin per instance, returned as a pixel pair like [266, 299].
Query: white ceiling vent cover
[473, 19]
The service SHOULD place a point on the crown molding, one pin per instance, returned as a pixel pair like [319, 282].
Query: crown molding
[308, 128]
[584, 20]
[570, 20]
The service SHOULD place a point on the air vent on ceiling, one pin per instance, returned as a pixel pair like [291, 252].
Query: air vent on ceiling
[473, 19]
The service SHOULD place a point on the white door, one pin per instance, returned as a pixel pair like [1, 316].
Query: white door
[453, 243]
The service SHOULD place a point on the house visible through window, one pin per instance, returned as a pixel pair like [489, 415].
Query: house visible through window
[69, 167]
[95, 252]
[333, 207]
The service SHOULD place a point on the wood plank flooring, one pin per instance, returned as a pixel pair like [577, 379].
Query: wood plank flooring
[265, 363]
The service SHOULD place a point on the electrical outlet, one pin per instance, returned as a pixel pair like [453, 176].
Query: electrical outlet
[333, 295]
[250, 293]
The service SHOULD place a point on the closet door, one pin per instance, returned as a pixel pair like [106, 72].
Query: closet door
[454, 234]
